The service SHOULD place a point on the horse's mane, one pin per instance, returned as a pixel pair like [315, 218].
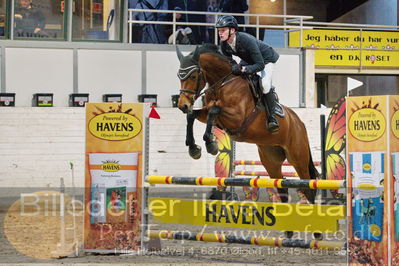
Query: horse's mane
[207, 48]
[210, 48]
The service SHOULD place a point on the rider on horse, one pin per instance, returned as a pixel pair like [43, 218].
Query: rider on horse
[256, 57]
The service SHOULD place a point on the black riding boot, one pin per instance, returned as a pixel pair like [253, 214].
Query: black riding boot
[269, 101]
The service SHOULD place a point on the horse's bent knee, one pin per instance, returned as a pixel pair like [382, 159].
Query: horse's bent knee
[191, 116]
[215, 110]
[207, 137]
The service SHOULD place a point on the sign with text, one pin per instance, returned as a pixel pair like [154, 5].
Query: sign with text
[250, 215]
[394, 180]
[331, 41]
[373, 157]
[366, 58]
[113, 176]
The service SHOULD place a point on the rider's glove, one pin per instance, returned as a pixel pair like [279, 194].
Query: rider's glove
[236, 70]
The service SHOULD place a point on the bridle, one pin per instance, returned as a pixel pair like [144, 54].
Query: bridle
[185, 73]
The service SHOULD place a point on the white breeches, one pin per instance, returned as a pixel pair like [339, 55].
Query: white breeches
[266, 76]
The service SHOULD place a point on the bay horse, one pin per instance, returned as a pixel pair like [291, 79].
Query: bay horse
[230, 105]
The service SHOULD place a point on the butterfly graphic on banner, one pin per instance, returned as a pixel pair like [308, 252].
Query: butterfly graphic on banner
[223, 159]
[223, 163]
[335, 144]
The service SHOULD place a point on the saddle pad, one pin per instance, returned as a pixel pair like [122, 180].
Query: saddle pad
[278, 110]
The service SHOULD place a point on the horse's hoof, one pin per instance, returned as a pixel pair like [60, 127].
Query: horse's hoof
[195, 152]
[318, 236]
[289, 234]
[212, 148]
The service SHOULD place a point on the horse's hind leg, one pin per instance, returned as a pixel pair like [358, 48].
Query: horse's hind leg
[210, 143]
[306, 170]
[272, 158]
[302, 165]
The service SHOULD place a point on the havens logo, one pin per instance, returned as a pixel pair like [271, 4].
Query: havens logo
[395, 124]
[115, 126]
[241, 214]
[367, 124]
[111, 167]
[366, 167]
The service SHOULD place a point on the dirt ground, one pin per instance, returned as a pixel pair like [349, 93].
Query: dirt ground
[32, 239]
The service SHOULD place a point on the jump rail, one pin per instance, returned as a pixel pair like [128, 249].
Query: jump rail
[247, 182]
[264, 173]
[259, 241]
[250, 162]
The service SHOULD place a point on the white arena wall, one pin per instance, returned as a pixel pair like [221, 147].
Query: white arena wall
[37, 144]
[64, 68]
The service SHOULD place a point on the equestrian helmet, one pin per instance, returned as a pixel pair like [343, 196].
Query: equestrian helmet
[226, 21]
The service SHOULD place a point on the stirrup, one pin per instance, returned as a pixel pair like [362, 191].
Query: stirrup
[273, 125]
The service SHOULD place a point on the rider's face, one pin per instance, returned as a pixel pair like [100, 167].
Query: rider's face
[24, 3]
[224, 33]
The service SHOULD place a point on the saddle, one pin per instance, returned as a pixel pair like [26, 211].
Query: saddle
[257, 92]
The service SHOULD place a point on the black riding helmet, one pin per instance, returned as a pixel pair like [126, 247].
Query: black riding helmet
[226, 21]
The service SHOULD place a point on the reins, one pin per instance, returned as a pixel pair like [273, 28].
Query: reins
[185, 73]
[198, 93]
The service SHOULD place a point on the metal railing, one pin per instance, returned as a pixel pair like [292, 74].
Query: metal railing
[353, 27]
[359, 45]
[290, 23]
[342, 26]
[257, 26]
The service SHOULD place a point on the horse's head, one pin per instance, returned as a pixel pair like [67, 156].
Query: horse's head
[192, 79]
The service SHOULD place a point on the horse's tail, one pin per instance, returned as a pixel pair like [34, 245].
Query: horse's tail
[312, 169]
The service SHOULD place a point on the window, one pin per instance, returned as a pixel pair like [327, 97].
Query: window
[97, 20]
[3, 18]
[39, 19]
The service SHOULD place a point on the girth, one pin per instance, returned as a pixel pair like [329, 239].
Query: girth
[237, 132]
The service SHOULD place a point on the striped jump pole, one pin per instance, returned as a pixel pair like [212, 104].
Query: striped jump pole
[248, 182]
[264, 173]
[253, 162]
[258, 241]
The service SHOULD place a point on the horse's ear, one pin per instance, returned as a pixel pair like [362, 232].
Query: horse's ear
[179, 53]
[196, 54]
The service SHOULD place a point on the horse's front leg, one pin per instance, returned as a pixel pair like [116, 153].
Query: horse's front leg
[210, 143]
[193, 149]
